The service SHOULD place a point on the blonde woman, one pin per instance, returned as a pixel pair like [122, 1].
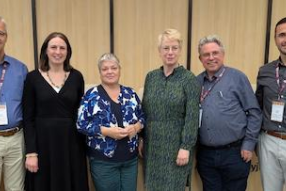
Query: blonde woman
[170, 103]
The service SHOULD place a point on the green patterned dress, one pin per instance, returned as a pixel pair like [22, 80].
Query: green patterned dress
[171, 106]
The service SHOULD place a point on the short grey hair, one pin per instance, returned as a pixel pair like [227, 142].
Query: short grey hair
[107, 57]
[2, 20]
[210, 39]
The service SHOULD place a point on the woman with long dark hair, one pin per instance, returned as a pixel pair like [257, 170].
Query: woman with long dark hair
[55, 157]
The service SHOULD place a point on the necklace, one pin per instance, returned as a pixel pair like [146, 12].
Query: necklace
[59, 87]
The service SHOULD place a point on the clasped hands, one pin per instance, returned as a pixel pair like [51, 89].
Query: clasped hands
[120, 133]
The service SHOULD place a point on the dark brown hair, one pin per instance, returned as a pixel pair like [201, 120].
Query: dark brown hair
[282, 21]
[44, 60]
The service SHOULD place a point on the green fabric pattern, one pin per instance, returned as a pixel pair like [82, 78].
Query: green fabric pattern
[171, 106]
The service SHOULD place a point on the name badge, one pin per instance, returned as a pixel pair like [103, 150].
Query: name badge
[3, 114]
[277, 111]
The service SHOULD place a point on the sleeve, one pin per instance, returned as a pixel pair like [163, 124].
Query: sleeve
[25, 70]
[139, 112]
[259, 91]
[142, 133]
[88, 122]
[81, 88]
[251, 108]
[29, 113]
[190, 129]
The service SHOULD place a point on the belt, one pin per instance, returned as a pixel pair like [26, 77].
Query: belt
[281, 135]
[10, 132]
[235, 144]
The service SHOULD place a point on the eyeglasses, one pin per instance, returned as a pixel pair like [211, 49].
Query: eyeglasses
[172, 48]
[2, 33]
[209, 54]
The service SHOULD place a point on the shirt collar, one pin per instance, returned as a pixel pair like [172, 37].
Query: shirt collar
[280, 63]
[174, 71]
[216, 75]
[6, 60]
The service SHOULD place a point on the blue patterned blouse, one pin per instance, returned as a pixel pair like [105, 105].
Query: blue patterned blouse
[95, 111]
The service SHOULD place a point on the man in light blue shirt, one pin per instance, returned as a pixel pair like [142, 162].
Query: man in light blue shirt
[12, 76]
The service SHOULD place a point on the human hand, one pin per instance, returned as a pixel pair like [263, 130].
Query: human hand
[141, 147]
[114, 132]
[183, 157]
[132, 131]
[246, 155]
[31, 163]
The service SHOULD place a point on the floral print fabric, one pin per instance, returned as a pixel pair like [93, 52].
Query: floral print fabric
[95, 111]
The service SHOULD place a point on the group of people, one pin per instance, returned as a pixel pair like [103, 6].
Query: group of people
[48, 125]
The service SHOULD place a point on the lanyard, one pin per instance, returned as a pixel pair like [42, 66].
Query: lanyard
[282, 86]
[3, 75]
[204, 94]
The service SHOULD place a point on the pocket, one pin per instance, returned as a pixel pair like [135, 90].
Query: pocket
[223, 99]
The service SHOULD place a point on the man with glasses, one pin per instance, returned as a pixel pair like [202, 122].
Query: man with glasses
[12, 76]
[230, 120]
[271, 95]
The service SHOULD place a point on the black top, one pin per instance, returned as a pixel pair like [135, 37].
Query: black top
[50, 130]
